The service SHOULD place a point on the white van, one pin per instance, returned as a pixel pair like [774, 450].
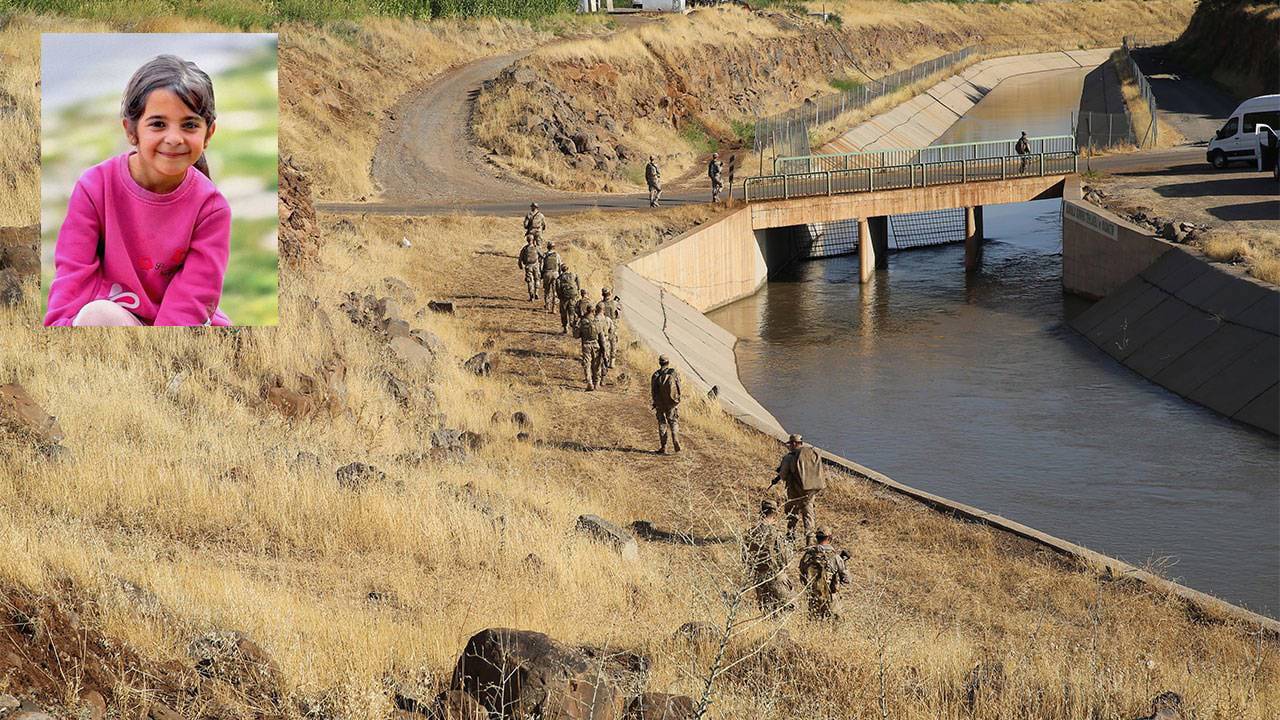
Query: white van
[1237, 141]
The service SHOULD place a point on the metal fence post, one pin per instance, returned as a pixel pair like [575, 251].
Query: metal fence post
[786, 190]
[1042, 164]
[828, 182]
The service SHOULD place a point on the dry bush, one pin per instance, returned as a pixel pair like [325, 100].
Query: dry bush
[1259, 250]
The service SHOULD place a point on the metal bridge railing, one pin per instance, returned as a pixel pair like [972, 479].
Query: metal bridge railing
[908, 175]
[918, 155]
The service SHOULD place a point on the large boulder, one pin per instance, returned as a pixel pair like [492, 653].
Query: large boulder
[660, 706]
[21, 414]
[522, 675]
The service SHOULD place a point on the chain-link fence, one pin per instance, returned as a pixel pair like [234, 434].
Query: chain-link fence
[787, 133]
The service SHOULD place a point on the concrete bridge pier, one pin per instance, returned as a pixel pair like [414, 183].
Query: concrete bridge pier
[973, 237]
[873, 245]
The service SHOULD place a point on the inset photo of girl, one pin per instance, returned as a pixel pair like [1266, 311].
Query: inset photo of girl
[159, 180]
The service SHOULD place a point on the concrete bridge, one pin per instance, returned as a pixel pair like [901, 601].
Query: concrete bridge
[871, 186]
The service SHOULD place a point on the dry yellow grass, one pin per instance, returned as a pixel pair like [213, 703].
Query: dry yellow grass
[182, 511]
[1166, 135]
[1257, 249]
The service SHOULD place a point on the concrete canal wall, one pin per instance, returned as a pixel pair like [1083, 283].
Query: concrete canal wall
[924, 118]
[1206, 331]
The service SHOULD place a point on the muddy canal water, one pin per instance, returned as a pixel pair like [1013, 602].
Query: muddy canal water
[974, 387]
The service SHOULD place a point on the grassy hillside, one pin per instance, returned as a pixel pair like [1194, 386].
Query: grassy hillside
[192, 503]
[683, 86]
[1234, 43]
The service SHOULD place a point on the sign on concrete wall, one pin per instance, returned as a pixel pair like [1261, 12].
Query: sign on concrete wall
[1090, 220]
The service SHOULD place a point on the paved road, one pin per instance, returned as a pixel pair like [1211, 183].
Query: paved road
[1194, 107]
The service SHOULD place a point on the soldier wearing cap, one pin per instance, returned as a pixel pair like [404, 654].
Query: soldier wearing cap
[653, 178]
[613, 311]
[608, 336]
[822, 572]
[589, 331]
[664, 389]
[550, 272]
[715, 171]
[765, 555]
[530, 260]
[535, 223]
[801, 474]
[566, 292]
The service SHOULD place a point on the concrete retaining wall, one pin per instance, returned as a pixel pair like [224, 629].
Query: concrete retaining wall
[1101, 251]
[712, 265]
[1203, 330]
[924, 118]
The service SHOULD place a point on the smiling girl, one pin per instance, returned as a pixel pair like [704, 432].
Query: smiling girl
[147, 233]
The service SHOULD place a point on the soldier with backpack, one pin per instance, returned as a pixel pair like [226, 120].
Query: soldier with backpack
[715, 170]
[591, 331]
[822, 572]
[664, 388]
[567, 292]
[613, 311]
[550, 271]
[530, 261]
[535, 223]
[801, 474]
[608, 336]
[764, 553]
[583, 308]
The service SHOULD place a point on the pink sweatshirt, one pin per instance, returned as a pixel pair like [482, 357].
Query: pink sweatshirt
[160, 256]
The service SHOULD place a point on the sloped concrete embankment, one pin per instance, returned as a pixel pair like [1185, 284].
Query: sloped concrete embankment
[664, 295]
[1203, 330]
[924, 118]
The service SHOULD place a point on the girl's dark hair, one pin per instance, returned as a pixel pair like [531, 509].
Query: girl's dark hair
[170, 72]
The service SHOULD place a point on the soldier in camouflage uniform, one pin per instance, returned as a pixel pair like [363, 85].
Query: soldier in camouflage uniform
[715, 171]
[664, 389]
[566, 292]
[822, 572]
[535, 223]
[589, 332]
[608, 332]
[583, 307]
[765, 555]
[550, 271]
[653, 178]
[530, 260]
[801, 474]
[612, 310]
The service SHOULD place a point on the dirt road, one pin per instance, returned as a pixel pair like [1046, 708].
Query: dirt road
[426, 154]
[1194, 107]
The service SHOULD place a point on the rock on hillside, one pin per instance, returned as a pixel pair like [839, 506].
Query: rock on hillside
[299, 238]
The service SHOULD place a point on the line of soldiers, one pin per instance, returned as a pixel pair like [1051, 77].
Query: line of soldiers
[594, 323]
[766, 550]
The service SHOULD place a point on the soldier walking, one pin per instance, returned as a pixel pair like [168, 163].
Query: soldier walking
[823, 571]
[608, 335]
[550, 271]
[613, 311]
[583, 308]
[566, 292]
[715, 171]
[1023, 148]
[653, 178]
[535, 223]
[765, 555]
[589, 332]
[530, 261]
[801, 474]
[664, 388]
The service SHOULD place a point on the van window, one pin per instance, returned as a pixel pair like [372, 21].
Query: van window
[1229, 129]
[1266, 117]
